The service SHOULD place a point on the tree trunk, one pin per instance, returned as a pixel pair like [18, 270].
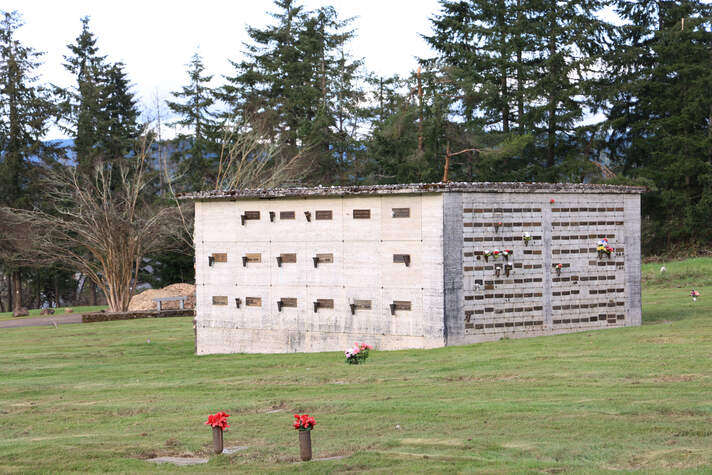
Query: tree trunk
[10, 300]
[93, 294]
[504, 58]
[520, 78]
[38, 289]
[552, 97]
[56, 291]
[79, 290]
[17, 291]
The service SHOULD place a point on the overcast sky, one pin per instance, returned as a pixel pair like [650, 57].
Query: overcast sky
[156, 38]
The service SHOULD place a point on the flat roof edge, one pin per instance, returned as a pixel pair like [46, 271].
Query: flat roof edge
[415, 188]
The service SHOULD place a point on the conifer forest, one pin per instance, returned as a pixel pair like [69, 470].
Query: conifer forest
[514, 90]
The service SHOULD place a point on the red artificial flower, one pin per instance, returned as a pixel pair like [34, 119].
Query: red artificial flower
[218, 420]
[304, 422]
[552, 201]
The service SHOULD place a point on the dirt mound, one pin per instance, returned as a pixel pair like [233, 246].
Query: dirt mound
[144, 300]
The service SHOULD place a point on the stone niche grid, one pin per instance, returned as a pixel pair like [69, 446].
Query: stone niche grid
[405, 266]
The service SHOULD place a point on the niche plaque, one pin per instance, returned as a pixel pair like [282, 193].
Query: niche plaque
[220, 300]
[290, 258]
[219, 257]
[402, 259]
[362, 214]
[325, 258]
[362, 304]
[253, 301]
[401, 212]
[286, 215]
[254, 257]
[323, 215]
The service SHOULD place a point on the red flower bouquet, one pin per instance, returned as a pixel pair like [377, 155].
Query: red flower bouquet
[218, 420]
[304, 422]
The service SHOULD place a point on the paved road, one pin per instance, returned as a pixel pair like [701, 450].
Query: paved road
[42, 321]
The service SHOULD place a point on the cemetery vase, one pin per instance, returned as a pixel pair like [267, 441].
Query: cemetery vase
[305, 448]
[217, 440]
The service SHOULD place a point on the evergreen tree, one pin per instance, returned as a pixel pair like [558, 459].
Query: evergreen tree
[82, 105]
[661, 114]
[299, 87]
[197, 152]
[25, 112]
[120, 111]
[569, 42]
[515, 67]
[100, 112]
[485, 48]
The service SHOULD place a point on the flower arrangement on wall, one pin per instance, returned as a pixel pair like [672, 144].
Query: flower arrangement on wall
[494, 253]
[526, 238]
[604, 249]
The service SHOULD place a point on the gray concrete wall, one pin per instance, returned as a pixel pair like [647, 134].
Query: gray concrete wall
[590, 293]
[363, 269]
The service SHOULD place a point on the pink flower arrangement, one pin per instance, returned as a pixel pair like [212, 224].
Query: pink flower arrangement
[218, 420]
[358, 353]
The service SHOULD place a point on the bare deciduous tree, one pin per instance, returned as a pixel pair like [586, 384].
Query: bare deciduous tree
[248, 159]
[103, 225]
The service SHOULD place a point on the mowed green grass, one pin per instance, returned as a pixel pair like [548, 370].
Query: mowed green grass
[102, 398]
[35, 312]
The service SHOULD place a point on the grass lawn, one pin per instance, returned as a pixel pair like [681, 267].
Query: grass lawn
[101, 398]
[57, 311]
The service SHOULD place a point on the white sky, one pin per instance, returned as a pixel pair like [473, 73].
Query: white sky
[156, 38]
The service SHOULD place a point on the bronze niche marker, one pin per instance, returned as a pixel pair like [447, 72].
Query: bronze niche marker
[401, 212]
[220, 300]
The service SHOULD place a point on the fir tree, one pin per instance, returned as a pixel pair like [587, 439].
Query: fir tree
[100, 111]
[83, 104]
[25, 112]
[298, 87]
[120, 111]
[483, 47]
[568, 43]
[661, 114]
[194, 110]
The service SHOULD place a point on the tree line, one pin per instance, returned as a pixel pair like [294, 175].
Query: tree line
[514, 91]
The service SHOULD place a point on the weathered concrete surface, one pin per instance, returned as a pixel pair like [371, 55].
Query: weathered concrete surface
[634, 305]
[362, 268]
[179, 461]
[591, 292]
[408, 189]
[261, 252]
[453, 268]
[232, 450]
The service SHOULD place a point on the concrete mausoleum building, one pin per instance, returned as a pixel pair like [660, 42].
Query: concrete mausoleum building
[412, 266]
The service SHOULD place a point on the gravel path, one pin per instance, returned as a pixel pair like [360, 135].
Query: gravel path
[42, 321]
